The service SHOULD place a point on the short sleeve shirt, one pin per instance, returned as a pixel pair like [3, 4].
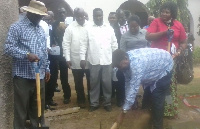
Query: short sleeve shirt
[158, 26]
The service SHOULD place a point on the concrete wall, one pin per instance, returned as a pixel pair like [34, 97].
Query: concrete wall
[195, 11]
[106, 5]
[8, 14]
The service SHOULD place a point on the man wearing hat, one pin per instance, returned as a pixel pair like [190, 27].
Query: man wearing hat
[26, 44]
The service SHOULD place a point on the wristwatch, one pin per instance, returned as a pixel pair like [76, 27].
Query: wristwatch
[27, 53]
[124, 111]
[179, 53]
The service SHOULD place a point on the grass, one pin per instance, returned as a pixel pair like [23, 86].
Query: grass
[192, 88]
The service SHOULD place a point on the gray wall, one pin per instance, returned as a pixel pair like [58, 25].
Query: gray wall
[8, 14]
[193, 6]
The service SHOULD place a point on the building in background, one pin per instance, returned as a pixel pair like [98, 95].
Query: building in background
[134, 6]
[138, 7]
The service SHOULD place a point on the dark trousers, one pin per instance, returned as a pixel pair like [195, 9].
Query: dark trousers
[119, 87]
[78, 80]
[147, 98]
[50, 85]
[25, 102]
[158, 100]
[57, 63]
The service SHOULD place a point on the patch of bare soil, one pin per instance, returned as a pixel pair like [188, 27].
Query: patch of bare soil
[100, 119]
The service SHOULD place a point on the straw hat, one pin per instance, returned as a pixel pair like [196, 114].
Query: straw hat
[36, 7]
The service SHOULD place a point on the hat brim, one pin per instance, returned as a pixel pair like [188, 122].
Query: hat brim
[33, 10]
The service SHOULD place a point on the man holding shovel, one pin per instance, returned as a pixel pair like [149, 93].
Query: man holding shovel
[26, 44]
[150, 67]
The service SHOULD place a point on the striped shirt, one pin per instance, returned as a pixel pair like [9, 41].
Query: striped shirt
[23, 37]
[124, 28]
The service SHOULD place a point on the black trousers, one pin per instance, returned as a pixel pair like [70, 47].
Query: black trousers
[50, 85]
[119, 87]
[158, 99]
[25, 102]
[78, 80]
[58, 62]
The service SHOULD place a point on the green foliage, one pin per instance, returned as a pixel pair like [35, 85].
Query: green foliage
[199, 27]
[183, 12]
[196, 55]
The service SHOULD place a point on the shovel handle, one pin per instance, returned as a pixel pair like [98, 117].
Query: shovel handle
[38, 93]
[114, 126]
[169, 47]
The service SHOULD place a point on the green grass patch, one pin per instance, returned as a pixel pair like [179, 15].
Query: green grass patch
[192, 88]
[196, 56]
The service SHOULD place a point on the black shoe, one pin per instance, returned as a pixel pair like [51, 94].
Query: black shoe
[81, 105]
[52, 103]
[57, 90]
[92, 108]
[119, 103]
[48, 107]
[108, 108]
[66, 101]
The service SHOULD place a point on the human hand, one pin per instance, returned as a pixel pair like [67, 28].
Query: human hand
[47, 76]
[83, 64]
[32, 57]
[54, 45]
[175, 55]
[69, 64]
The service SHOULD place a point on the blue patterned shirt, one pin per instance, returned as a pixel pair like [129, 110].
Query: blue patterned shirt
[147, 66]
[24, 37]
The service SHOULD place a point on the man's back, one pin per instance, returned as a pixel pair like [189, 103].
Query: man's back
[149, 64]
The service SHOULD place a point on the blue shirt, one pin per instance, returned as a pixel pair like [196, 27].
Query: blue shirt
[147, 66]
[24, 37]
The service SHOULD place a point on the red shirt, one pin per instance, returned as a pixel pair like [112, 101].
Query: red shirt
[158, 26]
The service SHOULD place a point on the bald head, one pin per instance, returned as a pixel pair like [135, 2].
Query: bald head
[50, 13]
[150, 19]
[79, 15]
[78, 11]
[49, 19]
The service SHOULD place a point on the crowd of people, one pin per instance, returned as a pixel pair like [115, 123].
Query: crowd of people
[116, 58]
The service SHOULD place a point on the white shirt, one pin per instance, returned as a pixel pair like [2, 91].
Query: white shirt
[124, 28]
[100, 45]
[45, 27]
[71, 43]
[68, 20]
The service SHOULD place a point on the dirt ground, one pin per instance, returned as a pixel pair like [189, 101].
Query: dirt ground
[135, 119]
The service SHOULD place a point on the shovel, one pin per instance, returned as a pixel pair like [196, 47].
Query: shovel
[170, 35]
[37, 74]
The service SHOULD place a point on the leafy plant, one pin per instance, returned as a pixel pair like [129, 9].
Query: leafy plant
[199, 27]
[196, 55]
[183, 12]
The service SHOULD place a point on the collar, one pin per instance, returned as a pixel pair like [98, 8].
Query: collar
[76, 23]
[99, 26]
[139, 32]
[126, 23]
